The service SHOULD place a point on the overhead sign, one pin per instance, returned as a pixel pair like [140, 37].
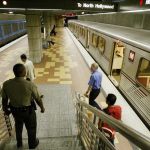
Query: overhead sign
[147, 2]
[95, 5]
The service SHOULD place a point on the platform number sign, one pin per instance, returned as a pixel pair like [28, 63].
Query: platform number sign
[131, 55]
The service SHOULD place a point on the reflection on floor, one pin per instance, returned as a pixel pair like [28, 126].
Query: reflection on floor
[56, 64]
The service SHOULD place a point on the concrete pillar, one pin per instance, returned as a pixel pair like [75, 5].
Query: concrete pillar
[47, 25]
[53, 21]
[34, 37]
[59, 21]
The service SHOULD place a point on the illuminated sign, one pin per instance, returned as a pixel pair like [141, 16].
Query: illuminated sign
[131, 55]
[147, 2]
[141, 2]
[98, 6]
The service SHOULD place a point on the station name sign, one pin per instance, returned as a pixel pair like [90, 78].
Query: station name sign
[95, 5]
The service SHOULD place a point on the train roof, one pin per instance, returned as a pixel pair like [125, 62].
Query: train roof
[137, 37]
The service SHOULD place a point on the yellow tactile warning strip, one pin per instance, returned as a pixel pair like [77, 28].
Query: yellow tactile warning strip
[56, 63]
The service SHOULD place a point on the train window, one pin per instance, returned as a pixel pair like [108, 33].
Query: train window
[80, 30]
[7, 29]
[83, 32]
[101, 44]
[42, 29]
[94, 40]
[143, 75]
[15, 27]
[21, 26]
[1, 34]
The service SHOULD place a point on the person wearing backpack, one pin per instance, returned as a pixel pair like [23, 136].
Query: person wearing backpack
[113, 110]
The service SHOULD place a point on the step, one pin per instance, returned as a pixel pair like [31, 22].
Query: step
[59, 143]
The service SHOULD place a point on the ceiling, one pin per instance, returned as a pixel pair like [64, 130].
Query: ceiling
[62, 7]
[57, 7]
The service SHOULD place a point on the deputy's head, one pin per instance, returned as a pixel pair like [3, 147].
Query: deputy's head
[19, 70]
[94, 67]
[23, 57]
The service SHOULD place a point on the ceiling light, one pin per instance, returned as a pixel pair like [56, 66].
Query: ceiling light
[11, 12]
[4, 2]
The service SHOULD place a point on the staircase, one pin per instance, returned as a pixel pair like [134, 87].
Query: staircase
[73, 129]
[59, 143]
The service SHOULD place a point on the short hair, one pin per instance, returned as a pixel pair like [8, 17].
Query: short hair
[18, 69]
[111, 99]
[23, 56]
[95, 65]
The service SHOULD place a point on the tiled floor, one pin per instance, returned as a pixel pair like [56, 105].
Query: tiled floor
[57, 62]
[9, 57]
[58, 121]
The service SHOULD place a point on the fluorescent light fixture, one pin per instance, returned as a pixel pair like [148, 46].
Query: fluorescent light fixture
[11, 12]
[12, 9]
[4, 2]
[142, 10]
[42, 9]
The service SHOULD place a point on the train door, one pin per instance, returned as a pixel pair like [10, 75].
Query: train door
[117, 62]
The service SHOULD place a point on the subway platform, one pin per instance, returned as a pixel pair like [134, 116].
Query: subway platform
[61, 72]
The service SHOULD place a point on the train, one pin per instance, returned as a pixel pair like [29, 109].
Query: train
[11, 30]
[123, 54]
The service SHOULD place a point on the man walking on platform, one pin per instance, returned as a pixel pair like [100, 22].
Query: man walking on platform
[30, 73]
[94, 86]
[17, 94]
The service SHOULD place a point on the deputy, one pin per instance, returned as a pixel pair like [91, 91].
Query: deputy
[94, 85]
[16, 95]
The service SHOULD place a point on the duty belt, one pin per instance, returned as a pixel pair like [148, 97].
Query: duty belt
[21, 109]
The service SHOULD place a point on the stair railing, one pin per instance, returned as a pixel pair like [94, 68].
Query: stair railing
[94, 139]
[6, 124]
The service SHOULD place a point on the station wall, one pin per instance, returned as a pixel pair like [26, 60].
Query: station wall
[139, 20]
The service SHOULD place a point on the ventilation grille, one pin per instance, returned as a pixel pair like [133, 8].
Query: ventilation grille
[139, 99]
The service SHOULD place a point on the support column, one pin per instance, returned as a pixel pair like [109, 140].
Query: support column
[34, 37]
[59, 21]
[53, 21]
[47, 24]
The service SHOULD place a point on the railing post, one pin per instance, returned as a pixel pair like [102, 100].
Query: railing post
[8, 123]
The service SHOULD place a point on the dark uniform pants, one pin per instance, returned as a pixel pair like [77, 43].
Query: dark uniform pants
[92, 97]
[27, 117]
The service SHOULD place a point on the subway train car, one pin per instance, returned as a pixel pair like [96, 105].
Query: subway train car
[124, 55]
[11, 30]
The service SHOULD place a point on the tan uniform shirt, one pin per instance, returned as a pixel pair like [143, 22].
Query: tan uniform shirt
[19, 92]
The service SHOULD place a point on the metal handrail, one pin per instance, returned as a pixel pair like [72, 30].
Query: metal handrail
[97, 131]
[5, 124]
[132, 135]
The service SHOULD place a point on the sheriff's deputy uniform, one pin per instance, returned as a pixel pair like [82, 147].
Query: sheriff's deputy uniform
[17, 94]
